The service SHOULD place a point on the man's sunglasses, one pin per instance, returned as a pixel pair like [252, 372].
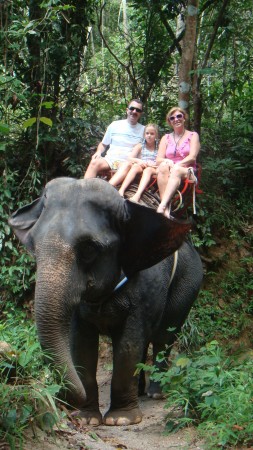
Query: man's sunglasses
[132, 108]
[177, 116]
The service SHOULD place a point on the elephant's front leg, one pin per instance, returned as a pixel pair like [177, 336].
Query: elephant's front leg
[124, 409]
[85, 356]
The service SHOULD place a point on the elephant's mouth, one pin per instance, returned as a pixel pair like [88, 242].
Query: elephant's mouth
[94, 299]
[112, 307]
[95, 303]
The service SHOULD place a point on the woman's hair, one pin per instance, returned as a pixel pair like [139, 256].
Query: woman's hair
[174, 109]
[153, 125]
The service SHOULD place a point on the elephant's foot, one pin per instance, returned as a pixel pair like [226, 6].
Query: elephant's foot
[91, 417]
[154, 391]
[122, 417]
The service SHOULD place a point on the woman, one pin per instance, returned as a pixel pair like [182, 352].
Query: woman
[176, 158]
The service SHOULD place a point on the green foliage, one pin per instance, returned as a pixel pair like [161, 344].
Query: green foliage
[42, 47]
[17, 268]
[224, 313]
[227, 154]
[206, 387]
[214, 212]
[226, 157]
[212, 391]
[28, 390]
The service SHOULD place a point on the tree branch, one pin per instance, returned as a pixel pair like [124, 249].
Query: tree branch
[106, 43]
[214, 33]
[169, 30]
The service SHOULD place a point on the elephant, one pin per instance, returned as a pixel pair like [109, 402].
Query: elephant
[85, 237]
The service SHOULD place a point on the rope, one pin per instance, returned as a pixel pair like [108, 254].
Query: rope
[180, 202]
[174, 267]
[192, 179]
[125, 279]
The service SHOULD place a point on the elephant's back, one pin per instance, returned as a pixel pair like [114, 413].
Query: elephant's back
[148, 198]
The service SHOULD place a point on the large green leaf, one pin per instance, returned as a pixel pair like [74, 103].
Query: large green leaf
[29, 122]
[47, 121]
[4, 128]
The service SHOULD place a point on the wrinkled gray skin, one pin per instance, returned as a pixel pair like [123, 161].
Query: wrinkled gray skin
[83, 235]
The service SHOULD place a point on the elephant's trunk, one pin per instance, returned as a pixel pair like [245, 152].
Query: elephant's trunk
[55, 300]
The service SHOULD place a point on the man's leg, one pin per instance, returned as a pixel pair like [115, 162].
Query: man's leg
[96, 165]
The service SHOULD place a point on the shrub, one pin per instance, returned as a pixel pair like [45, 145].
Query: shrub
[28, 389]
[212, 391]
[17, 267]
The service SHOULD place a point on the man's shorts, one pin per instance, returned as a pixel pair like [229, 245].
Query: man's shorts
[114, 165]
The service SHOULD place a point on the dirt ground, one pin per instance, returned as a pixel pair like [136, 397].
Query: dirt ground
[148, 435]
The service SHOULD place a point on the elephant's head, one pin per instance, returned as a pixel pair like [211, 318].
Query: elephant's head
[83, 234]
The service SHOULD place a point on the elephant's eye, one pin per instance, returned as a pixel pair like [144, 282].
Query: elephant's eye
[87, 252]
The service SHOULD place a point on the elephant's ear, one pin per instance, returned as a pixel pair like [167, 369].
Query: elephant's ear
[149, 237]
[24, 219]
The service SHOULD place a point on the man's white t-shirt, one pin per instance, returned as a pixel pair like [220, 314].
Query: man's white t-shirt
[122, 137]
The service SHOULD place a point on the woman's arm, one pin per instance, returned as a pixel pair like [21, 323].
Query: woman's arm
[161, 155]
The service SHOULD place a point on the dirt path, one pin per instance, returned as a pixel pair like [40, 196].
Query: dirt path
[148, 435]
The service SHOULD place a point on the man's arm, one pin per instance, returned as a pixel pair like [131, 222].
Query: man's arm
[100, 149]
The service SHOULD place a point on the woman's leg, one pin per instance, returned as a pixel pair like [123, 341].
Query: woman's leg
[145, 180]
[135, 170]
[176, 175]
[121, 173]
[163, 173]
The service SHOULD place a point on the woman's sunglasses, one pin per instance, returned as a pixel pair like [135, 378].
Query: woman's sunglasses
[177, 116]
[132, 108]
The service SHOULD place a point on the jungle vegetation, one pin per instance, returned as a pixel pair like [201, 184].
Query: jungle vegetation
[68, 69]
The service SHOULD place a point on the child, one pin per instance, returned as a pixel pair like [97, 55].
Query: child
[143, 159]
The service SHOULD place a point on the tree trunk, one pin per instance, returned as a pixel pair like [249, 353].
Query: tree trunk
[125, 24]
[188, 46]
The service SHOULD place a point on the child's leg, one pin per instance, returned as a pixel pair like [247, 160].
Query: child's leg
[145, 180]
[121, 173]
[134, 171]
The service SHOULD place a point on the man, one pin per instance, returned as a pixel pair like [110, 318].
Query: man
[121, 136]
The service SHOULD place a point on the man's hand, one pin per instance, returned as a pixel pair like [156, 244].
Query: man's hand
[96, 155]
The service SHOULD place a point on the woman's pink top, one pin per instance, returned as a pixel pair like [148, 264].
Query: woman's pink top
[178, 152]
